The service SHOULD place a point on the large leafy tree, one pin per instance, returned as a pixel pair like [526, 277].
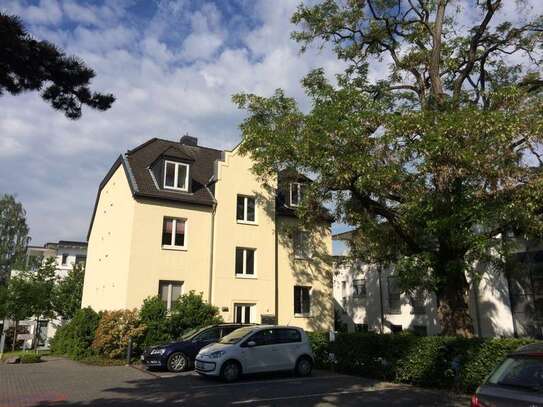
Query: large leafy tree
[13, 235]
[433, 163]
[27, 64]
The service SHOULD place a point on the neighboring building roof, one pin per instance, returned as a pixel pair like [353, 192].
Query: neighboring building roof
[343, 235]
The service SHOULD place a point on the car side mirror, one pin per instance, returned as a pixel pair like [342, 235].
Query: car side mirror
[251, 344]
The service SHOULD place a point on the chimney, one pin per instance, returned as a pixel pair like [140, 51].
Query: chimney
[188, 140]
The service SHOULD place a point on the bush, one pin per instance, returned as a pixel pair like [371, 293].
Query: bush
[29, 357]
[154, 316]
[433, 361]
[75, 338]
[191, 311]
[114, 331]
[321, 345]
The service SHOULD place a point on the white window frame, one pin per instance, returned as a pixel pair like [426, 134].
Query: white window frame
[299, 188]
[169, 301]
[302, 256]
[252, 311]
[244, 268]
[176, 174]
[303, 314]
[172, 246]
[245, 209]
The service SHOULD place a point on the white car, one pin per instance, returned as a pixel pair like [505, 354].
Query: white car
[256, 349]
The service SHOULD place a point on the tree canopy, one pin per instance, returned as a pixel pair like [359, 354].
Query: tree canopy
[27, 64]
[431, 164]
[13, 235]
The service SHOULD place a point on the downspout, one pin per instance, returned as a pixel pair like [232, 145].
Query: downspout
[211, 254]
[379, 271]
[276, 258]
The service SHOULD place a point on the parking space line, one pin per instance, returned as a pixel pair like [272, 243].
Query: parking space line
[301, 396]
[257, 382]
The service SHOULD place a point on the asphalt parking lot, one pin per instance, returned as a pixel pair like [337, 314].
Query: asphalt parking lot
[62, 382]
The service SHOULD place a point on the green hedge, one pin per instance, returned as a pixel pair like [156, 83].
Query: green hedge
[434, 361]
[29, 357]
[75, 338]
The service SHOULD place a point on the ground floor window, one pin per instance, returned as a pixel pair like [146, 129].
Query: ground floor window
[42, 332]
[244, 313]
[302, 300]
[169, 292]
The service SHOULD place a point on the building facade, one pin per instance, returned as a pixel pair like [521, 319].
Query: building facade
[367, 298]
[173, 217]
[66, 255]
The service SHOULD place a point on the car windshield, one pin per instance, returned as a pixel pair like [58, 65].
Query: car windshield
[189, 334]
[237, 335]
[522, 372]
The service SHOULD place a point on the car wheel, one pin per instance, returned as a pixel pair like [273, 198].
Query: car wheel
[304, 366]
[177, 362]
[230, 371]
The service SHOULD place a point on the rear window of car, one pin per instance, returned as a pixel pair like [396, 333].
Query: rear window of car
[288, 335]
[521, 372]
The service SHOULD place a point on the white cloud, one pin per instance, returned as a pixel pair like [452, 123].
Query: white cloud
[172, 72]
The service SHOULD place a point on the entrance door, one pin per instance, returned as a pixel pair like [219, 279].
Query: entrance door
[244, 313]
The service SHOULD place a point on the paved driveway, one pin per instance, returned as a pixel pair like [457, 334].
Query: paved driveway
[60, 382]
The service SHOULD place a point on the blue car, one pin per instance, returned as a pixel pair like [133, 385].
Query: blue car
[179, 356]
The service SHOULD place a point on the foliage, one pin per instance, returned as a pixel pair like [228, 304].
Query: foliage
[21, 330]
[320, 344]
[68, 292]
[30, 357]
[432, 163]
[114, 331]
[190, 311]
[97, 360]
[154, 315]
[432, 361]
[32, 65]
[75, 338]
[13, 234]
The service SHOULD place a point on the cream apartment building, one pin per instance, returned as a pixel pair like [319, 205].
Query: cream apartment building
[367, 297]
[171, 217]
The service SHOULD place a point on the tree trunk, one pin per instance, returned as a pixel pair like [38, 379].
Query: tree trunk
[14, 339]
[453, 306]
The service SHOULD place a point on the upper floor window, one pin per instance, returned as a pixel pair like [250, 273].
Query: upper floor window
[394, 295]
[359, 288]
[176, 176]
[418, 302]
[245, 262]
[245, 209]
[302, 247]
[296, 193]
[80, 259]
[173, 233]
[64, 259]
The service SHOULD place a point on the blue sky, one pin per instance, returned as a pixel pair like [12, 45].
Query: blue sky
[173, 66]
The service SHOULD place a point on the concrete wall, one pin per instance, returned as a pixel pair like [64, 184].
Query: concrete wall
[109, 246]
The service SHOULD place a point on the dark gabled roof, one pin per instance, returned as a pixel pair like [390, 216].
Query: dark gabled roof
[348, 235]
[201, 159]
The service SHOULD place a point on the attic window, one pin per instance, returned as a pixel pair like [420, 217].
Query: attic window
[176, 176]
[296, 193]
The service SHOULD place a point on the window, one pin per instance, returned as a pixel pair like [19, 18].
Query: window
[173, 233]
[296, 193]
[288, 335]
[418, 306]
[176, 176]
[302, 300]
[169, 292]
[263, 338]
[301, 245]
[245, 262]
[394, 298]
[359, 288]
[396, 329]
[245, 209]
[361, 328]
[243, 313]
[64, 259]
[80, 259]
[209, 335]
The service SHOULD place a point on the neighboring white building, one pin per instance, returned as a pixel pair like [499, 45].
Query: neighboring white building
[367, 297]
[66, 255]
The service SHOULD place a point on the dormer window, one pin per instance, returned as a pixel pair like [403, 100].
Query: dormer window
[176, 176]
[296, 193]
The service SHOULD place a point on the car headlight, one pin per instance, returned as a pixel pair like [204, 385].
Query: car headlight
[158, 351]
[216, 355]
